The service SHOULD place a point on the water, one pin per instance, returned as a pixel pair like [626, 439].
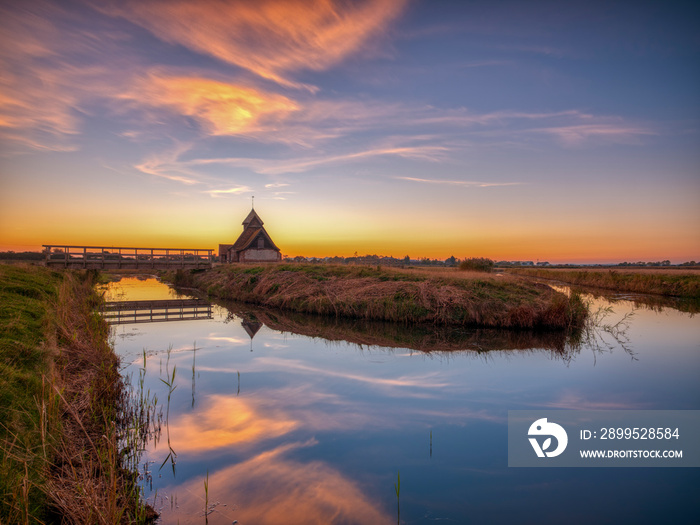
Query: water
[316, 428]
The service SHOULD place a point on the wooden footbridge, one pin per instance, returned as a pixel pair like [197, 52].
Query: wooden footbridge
[115, 258]
[130, 312]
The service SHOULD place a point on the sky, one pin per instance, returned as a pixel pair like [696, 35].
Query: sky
[550, 131]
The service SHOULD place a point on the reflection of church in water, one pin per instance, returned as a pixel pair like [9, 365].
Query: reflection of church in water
[249, 323]
[251, 327]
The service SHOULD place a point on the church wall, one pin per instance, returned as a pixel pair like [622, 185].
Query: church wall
[254, 255]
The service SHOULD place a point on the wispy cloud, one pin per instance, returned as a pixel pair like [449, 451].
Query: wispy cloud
[53, 68]
[423, 134]
[277, 167]
[35, 106]
[167, 165]
[230, 191]
[271, 38]
[222, 108]
[476, 184]
[578, 133]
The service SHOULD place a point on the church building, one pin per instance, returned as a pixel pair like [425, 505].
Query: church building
[253, 245]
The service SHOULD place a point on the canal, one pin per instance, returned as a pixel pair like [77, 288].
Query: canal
[271, 418]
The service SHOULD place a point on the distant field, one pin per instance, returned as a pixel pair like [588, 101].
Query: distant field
[677, 282]
[449, 273]
[672, 270]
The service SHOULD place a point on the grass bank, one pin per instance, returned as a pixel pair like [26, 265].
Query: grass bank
[63, 405]
[674, 283]
[475, 300]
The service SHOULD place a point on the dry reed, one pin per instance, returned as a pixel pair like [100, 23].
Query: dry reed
[677, 283]
[90, 482]
[68, 450]
[378, 294]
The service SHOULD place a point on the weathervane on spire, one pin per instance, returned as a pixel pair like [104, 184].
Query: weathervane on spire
[253, 201]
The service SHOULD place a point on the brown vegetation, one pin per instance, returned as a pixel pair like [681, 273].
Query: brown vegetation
[477, 264]
[392, 295]
[67, 452]
[670, 282]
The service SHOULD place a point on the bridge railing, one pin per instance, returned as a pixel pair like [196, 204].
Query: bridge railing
[70, 256]
[131, 312]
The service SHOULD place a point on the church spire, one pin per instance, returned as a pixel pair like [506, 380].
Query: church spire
[253, 220]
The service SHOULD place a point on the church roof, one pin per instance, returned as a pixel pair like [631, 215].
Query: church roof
[252, 226]
[251, 217]
[245, 238]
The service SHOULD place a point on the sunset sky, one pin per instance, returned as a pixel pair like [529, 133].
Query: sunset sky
[558, 131]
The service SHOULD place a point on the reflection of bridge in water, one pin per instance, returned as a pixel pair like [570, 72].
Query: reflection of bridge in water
[131, 312]
[111, 257]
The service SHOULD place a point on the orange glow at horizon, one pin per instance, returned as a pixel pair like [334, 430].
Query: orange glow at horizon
[346, 231]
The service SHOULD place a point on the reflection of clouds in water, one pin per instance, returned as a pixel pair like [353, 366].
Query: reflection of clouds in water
[271, 489]
[226, 421]
[577, 401]
[232, 340]
[275, 346]
[429, 380]
[232, 422]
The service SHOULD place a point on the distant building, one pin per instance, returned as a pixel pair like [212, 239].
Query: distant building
[253, 245]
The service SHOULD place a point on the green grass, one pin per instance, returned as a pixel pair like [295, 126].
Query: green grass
[25, 294]
[64, 414]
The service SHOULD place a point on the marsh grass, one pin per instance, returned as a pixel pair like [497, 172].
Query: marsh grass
[397, 489]
[169, 381]
[206, 498]
[395, 295]
[669, 282]
[64, 411]
[28, 406]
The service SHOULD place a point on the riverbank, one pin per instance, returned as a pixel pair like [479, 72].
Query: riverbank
[671, 282]
[63, 405]
[384, 294]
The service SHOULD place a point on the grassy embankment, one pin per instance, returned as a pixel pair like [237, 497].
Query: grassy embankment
[63, 408]
[671, 282]
[448, 298]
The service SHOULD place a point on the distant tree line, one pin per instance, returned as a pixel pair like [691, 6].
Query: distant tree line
[657, 263]
[383, 260]
[374, 260]
[22, 256]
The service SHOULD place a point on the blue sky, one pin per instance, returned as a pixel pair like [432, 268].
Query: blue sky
[561, 131]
